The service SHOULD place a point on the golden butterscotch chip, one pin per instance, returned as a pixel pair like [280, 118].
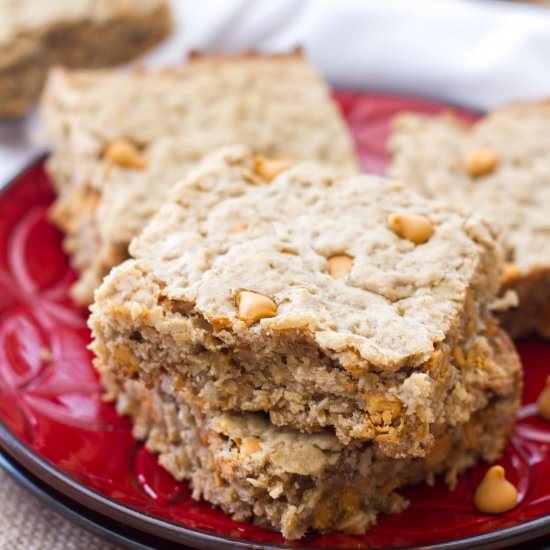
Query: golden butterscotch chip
[269, 169]
[511, 272]
[124, 153]
[250, 445]
[340, 265]
[220, 323]
[543, 402]
[417, 229]
[253, 306]
[125, 359]
[495, 494]
[481, 162]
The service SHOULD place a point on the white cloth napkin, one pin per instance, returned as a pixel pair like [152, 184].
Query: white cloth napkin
[477, 53]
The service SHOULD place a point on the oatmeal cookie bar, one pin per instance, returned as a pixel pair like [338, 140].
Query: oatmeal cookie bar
[74, 33]
[324, 300]
[121, 140]
[291, 481]
[499, 167]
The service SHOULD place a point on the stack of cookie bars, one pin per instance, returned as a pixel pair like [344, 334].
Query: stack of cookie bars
[36, 35]
[295, 339]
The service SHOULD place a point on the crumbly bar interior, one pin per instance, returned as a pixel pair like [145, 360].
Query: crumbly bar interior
[145, 335]
[291, 481]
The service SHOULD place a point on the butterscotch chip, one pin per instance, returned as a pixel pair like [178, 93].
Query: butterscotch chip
[495, 494]
[481, 162]
[510, 272]
[412, 227]
[124, 153]
[250, 445]
[269, 169]
[253, 306]
[543, 401]
[339, 266]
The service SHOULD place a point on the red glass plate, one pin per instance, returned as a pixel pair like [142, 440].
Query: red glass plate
[54, 423]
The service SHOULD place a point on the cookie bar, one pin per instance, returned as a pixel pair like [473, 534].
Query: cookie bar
[326, 301]
[497, 166]
[74, 33]
[291, 481]
[121, 140]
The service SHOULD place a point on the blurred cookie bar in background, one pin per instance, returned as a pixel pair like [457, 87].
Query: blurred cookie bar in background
[121, 140]
[499, 167]
[73, 33]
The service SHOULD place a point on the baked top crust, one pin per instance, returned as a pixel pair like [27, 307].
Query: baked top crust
[431, 154]
[226, 229]
[275, 103]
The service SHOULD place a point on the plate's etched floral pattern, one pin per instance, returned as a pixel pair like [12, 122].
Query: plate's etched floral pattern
[51, 399]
